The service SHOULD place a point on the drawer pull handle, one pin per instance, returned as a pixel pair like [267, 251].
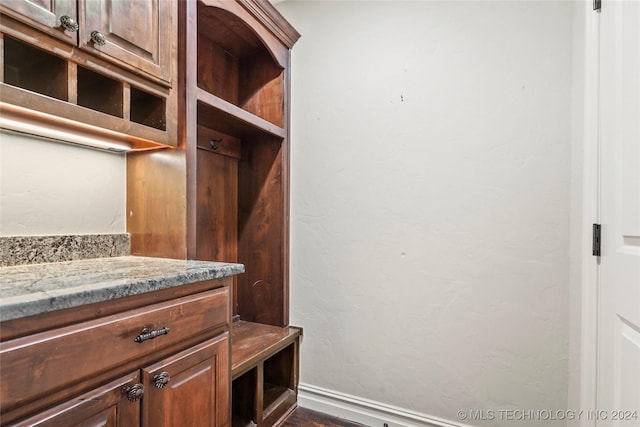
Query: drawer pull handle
[162, 379]
[134, 392]
[68, 23]
[147, 334]
[98, 38]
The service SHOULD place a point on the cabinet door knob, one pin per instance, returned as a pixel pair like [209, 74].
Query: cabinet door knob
[147, 334]
[134, 392]
[162, 379]
[68, 23]
[98, 38]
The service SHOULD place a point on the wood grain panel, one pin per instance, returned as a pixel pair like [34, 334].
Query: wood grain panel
[135, 31]
[105, 406]
[217, 207]
[197, 393]
[156, 203]
[262, 230]
[217, 70]
[261, 87]
[44, 15]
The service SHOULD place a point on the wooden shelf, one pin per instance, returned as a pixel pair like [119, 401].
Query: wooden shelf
[23, 65]
[54, 124]
[83, 94]
[275, 397]
[251, 343]
[232, 119]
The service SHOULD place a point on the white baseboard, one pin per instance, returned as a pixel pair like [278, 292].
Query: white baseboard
[364, 411]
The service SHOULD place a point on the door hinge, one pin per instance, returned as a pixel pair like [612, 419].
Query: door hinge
[596, 239]
[597, 4]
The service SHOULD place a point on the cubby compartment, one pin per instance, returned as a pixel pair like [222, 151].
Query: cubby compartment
[51, 85]
[147, 109]
[265, 368]
[99, 93]
[235, 65]
[244, 400]
[279, 382]
[23, 67]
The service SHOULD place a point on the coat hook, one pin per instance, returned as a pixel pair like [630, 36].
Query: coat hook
[213, 143]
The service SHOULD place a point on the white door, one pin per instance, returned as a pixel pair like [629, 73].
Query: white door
[618, 387]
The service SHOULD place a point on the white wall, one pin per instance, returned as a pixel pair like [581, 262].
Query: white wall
[49, 188]
[431, 163]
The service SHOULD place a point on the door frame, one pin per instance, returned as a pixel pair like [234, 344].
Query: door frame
[589, 271]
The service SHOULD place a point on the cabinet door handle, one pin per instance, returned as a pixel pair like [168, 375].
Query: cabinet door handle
[135, 392]
[98, 38]
[147, 334]
[68, 23]
[162, 379]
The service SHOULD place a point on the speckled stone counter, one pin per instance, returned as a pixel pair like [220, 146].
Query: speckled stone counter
[27, 290]
[20, 250]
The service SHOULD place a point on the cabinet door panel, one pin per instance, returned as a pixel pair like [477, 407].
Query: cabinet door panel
[106, 406]
[197, 391]
[137, 33]
[43, 15]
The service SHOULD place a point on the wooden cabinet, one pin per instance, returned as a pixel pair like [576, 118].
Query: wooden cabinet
[45, 16]
[163, 364]
[225, 195]
[131, 33]
[106, 406]
[190, 388]
[134, 33]
[101, 69]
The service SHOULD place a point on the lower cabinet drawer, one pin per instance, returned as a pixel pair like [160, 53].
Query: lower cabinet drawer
[44, 363]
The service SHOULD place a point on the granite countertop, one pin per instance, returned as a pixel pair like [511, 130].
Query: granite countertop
[28, 290]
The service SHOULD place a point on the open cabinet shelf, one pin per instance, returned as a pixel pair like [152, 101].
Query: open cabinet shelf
[23, 65]
[235, 65]
[103, 102]
[240, 129]
[212, 109]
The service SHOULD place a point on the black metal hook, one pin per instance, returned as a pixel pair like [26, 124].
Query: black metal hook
[213, 143]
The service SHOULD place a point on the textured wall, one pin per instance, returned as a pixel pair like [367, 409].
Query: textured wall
[52, 188]
[430, 202]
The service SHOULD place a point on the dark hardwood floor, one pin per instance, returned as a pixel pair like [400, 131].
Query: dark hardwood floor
[308, 418]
